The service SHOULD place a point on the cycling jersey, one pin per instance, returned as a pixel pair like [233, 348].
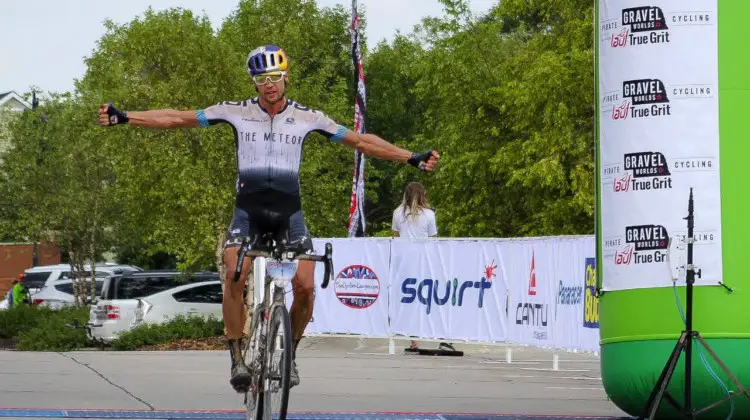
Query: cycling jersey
[269, 150]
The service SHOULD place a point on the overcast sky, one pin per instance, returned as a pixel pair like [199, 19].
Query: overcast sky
[44, 41]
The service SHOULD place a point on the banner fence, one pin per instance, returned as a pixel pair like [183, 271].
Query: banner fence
[539, 292]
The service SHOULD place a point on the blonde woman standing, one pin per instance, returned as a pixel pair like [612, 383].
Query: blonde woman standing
[414, 219]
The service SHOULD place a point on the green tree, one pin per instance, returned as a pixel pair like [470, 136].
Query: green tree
[174, 186]
[505, 99]
[553, 112]
[395, 113]
[60, 182]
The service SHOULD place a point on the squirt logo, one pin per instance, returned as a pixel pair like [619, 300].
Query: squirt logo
[433, 291]
[489, 271]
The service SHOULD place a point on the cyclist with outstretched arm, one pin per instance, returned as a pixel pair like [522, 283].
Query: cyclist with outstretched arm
[269, 132]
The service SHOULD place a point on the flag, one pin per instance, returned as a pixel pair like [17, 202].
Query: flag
[356, 207]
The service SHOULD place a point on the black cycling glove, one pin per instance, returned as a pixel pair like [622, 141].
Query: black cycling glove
[116, 116]
[418, 161]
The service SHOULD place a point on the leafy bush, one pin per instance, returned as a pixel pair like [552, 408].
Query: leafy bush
[36, 328]
[179, 327]
[43, 329]
[54, 335]
[22, 318]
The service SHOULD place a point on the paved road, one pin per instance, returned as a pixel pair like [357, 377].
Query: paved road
[337, 375]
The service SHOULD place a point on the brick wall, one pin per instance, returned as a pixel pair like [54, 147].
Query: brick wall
[15, 258]
[5, 285]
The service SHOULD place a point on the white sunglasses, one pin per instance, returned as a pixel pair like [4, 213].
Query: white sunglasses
[273, 77]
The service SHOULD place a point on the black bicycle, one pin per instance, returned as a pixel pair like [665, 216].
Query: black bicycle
[268, 349]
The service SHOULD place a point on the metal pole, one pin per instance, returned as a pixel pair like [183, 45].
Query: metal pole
[689, 321]
[35, 251]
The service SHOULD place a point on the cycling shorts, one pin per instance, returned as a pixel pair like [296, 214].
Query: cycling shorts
[244, 224]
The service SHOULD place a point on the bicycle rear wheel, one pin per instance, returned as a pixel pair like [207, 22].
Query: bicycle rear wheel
[278, 365]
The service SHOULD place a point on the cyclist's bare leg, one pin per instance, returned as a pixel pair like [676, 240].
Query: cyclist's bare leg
[233, 310]
[302, 307]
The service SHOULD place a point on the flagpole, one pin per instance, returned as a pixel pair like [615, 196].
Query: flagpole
[356, 225]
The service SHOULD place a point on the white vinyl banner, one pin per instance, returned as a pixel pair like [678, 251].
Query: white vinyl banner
[447, 290]
[356, 300]
[537, 291]
[553, 300]
[531, 264]
[573, 265]
[589, 336]
[659, 137]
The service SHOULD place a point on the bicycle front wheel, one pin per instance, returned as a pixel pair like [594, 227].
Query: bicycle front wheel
[278, 365]
[254, 357]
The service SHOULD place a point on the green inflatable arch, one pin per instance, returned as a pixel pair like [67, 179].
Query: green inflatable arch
[673, 89]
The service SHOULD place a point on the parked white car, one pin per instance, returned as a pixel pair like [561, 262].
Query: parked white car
[152, 297]
[52, 285]
[60, 293]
